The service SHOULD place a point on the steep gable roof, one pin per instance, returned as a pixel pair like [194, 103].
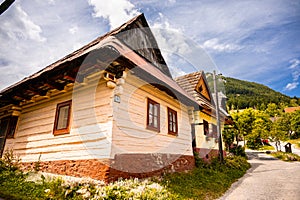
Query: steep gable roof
[140, 41]
[196, 86]
[136, 22]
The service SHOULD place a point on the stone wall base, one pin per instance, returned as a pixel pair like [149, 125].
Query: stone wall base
[208, 154]
[123, 165]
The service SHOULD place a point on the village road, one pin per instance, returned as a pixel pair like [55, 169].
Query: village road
[267, 179]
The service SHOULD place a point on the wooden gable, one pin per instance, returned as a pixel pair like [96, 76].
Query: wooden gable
[75, 67]
[202, 87]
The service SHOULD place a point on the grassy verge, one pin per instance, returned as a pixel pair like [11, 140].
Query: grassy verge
[266, 148]
[286, 156]
[207, 181]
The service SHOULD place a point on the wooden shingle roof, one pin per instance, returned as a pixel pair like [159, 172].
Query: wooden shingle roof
[191, 83]
[65, 70]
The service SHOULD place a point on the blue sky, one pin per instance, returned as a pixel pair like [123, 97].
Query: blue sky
[251, 40]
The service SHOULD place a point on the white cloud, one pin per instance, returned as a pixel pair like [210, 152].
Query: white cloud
[294, 63]
[73, 29]
[22, 26]
[291, 86]
[116, 11]
[34, 38]
[295, 67]
[182, 54]
[51, 2]
[296, 75]
[214, 44]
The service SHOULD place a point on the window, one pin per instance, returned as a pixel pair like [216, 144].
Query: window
[62, 118]
[172, 122]
[8, 126]
[205, 127]
[153, 115]
[7, 130]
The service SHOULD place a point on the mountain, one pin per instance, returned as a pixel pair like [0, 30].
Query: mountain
[243, 94]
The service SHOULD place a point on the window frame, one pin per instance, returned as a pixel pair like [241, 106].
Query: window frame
[205, 127]
[172, 132]
[11, 126]
[8, 132]
[67, 129]
[148, 125]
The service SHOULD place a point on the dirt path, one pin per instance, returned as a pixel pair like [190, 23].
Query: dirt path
[268, 179]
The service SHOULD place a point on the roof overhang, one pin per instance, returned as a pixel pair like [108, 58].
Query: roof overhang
[101, 56]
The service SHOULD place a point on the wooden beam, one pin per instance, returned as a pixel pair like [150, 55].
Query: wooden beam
[69, 78]
[54, 85]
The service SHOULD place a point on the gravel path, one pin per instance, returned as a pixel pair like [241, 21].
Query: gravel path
[268, 179]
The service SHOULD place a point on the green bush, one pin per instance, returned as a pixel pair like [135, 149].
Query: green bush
[237, 162]
[238, 151]
[254, 143]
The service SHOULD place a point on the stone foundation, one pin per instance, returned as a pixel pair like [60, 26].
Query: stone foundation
[124, 165]
[94, 169]
[208, 154]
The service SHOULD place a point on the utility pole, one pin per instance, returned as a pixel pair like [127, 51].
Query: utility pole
[218, 118]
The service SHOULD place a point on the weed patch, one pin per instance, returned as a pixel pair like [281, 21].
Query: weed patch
[286, 156]
[208, 181]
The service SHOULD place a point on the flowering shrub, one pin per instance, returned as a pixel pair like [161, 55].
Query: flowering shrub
[132, 189]
[122, 189]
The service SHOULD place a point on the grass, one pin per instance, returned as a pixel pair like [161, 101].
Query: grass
[296, 142]
[266, 148]
[207, 181]
[286, 156]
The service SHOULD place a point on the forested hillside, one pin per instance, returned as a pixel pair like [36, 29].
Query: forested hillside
[243, 94]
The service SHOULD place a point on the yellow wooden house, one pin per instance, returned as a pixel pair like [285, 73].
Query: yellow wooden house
[110, 109]
[204, 127]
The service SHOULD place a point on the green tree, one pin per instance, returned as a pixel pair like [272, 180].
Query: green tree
[228, 134]
[260, 129]
[293, 102]
[262, 106]
[280, 130]
[273, 110]
[244, 121]
[295, 124]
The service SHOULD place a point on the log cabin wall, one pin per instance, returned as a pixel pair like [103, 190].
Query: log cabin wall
[137, 149]
[34, 138]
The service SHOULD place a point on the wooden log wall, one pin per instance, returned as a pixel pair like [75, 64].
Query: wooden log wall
[130, 134]
[90, 135]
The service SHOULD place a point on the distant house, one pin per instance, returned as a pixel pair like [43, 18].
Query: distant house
[110, 109]
[291, 109]
[204, 131]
